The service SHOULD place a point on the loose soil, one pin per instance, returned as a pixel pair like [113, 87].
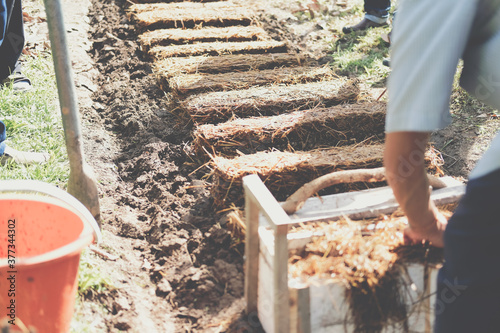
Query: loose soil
[178, 270]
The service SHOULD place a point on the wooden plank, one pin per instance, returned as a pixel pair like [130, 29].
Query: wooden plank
[280, 281]
[265, 292]
[321, 307]
[217, 48]
[365, 204]
[260, 197]
[252, 246]
[209, 34]
[189, 84]
[304, 311]
[228, 63]
[257, 192]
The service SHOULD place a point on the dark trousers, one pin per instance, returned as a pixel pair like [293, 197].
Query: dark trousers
[11, 38]
[468, 295]
[378, 8]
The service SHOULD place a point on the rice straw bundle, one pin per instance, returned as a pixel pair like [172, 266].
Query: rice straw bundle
[189, 84]
[265, 101]
[285, 172]
[300, 130]
[189, 14]
[209, 34]
[368, 257]
[217, 48]
[226, 63]
[168, 1]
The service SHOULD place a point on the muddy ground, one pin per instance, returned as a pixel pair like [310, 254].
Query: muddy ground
[178, 269]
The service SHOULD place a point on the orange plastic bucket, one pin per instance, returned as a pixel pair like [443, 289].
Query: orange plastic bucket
[42, 233]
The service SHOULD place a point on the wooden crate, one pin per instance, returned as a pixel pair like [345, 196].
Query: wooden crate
[285, 306]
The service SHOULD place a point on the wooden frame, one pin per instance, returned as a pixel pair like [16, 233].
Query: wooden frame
[290, 312]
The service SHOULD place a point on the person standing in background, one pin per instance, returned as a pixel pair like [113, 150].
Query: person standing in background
[11, 45]
[376, 15]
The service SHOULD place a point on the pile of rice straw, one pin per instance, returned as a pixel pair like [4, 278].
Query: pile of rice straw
[366, 257]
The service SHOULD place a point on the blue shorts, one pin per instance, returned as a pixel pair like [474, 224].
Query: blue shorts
[468, 294]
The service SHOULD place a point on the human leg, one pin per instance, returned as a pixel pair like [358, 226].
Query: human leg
[377, 10]
[468, 295]
[11, 46]
[376, 15]
[13, 39]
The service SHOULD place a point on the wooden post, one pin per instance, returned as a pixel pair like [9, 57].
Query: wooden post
[252, 248]
[280, 281]
[259, 199]
[303, 311]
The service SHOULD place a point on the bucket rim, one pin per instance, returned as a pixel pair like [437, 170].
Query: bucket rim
[84, 238]
[35, 186]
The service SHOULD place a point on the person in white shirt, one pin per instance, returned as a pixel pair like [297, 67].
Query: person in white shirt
[426, 48]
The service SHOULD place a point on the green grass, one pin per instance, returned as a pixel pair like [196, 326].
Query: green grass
[92, 280]
[33, 123]
[361, 55]
[358, 54]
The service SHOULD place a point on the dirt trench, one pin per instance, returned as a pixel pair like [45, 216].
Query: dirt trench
[179, 268]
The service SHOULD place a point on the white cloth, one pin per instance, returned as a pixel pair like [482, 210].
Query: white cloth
[429, 39]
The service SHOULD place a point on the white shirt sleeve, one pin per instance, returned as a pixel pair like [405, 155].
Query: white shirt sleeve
[428, 40]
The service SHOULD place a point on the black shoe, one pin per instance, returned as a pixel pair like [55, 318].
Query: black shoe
[363, 25]
[19, 82]
[386, 62]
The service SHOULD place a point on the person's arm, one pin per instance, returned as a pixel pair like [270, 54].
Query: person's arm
[406, 174]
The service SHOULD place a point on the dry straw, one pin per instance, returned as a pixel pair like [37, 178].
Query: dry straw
[189, 14]
[166, 1]
[209, 34]
[217, 48]
[300, 130]
[368, 257]
[189, 84]
[284, 172]
[265, 101]
[227, 63]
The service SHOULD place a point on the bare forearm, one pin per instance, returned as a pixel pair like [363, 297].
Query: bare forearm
[406, 174]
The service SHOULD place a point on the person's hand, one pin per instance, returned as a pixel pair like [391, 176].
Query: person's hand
[431, 231]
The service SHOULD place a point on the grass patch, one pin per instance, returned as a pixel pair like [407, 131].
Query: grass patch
[361, 54]
[34, 123]
[92, 280]
[358, 54]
